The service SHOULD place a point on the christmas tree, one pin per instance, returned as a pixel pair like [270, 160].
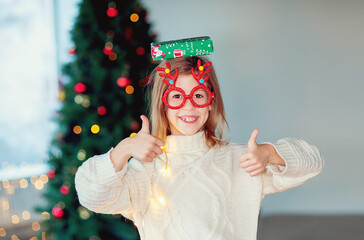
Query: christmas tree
[102, 98]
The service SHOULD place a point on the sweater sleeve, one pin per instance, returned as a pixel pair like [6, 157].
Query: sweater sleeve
[103, 190]
[303, 161]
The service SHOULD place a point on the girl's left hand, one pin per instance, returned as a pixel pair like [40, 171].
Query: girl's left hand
[255, 159]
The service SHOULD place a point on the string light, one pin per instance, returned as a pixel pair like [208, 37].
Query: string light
[84, 213]
[6, 183]
[134, 17]
[95, 129]
[23, 183]
[101, 110]
[110, 33]
[81, 155]
[15, 219]
[129, 89]
[57, 212]
[111, 11]
[14, 237]
[26, 215]
[5, 205]
[46, 215]
[80, 87]
[77, 129]
[64, 189]
[123, 82]
[33, 179]
[78, 99]
[2, 232]
[113, 56]
[39, 185]
[43, 178]
[10, 190]
[35, 226]
[86, 102]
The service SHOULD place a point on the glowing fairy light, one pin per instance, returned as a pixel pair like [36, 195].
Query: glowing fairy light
[43, 178]
[129, 89]
[77, 129]
[6, 183]
[46, 215]
[2, 232]
[33, 179]
[81, 155]
[14, 237]
[113, 56]
[86, 102]
[39, 185]
[162, 200]
[15, 219]
[134, 17]
[5, 205]
[23, 183]
[10, 190]
[95, 129]
[26, 215]
[35, 226]
[78, 99]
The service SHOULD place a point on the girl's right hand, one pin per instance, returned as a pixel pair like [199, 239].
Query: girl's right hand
[142, 146]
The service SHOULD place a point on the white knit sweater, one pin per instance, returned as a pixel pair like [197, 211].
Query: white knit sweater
[204, 194]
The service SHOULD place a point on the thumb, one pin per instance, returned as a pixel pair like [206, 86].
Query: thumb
[145, 124]
[252, 143]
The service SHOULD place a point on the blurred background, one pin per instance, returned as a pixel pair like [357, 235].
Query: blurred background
[289, 68]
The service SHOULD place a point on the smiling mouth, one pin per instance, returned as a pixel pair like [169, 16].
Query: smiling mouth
[189, 119]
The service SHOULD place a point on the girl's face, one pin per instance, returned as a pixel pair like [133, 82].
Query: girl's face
[189, 119]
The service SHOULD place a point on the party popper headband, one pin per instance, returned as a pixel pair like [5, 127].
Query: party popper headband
[175, 97]
[187, 47]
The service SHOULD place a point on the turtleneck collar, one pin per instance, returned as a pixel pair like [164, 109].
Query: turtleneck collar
[183, 143]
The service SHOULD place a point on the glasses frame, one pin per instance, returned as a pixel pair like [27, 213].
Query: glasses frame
[190, 97]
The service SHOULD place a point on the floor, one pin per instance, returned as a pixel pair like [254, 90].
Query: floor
[311, 228]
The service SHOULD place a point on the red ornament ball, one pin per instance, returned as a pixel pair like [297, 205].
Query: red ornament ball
[80, 88]
[101, 110]
[108, 50]
[57, 212]
[112, 12]
[123, 82]
[51, 173]
[140, 51]
[72, 51]
[64, 189]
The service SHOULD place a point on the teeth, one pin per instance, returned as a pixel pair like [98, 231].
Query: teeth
[188, 119]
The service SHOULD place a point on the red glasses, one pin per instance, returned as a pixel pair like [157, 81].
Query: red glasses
[175, 97]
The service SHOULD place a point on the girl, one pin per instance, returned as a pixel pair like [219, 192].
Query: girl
[199, 186]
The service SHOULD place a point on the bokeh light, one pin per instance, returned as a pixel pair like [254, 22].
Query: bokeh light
[81, 155]
[77, 129]
[129, 89]
[95, 129]
[134, 17]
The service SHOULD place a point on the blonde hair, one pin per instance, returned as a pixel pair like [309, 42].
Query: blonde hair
[157, 115]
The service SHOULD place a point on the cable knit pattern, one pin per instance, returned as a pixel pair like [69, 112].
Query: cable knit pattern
[204, 194]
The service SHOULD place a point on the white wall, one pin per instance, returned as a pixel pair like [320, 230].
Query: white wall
[291, 69]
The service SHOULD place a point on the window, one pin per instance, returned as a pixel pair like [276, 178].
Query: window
[28, 83]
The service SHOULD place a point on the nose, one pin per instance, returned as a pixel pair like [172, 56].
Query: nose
[188, 105]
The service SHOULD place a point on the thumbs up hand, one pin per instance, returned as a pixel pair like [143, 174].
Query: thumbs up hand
[255, 159]
[142, 146]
